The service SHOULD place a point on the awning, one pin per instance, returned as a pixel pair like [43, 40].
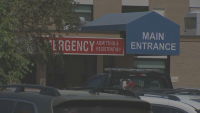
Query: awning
[114, 22]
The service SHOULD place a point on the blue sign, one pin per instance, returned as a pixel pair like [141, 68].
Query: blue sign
[152, 34]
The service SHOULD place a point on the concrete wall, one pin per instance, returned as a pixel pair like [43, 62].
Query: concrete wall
[186, 66]
[174, 10]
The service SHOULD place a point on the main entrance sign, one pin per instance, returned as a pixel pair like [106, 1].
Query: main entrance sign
[146, 32]
[153, 35]
[158, 44]
[89, 46]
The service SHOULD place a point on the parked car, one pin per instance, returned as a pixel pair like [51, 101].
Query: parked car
[167, 103]
[160, 102]
[142, 78]
[43, 99]
[188, 90]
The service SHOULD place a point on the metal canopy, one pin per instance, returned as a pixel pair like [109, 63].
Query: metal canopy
[114, 22]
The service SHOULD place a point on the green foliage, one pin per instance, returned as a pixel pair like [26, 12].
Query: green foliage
[23, 23]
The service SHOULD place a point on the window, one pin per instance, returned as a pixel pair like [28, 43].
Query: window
[140, 82]
[149, 63]
[166, 109]
[190, 22]
[108, 62]
[173, 110]
[94, 83]
[6, 106]
[157, 109]
[195, 10]
[128, 9]
[98, 106]
[85, 11]
[24, 107]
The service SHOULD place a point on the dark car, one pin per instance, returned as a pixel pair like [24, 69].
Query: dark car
[42, 99]
[142, 78]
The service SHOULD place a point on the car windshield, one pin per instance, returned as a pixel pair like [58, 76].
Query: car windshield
[196, 100]
[102, 106]
[98, 109]
[143, 82]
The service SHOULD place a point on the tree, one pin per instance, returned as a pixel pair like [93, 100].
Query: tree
[23, 23]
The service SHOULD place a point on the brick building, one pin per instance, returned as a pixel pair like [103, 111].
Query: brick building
[183, 68]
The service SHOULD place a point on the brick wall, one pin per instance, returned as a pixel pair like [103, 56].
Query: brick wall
[102, 7]
[186, 66]
[174, 10]
[125, 61]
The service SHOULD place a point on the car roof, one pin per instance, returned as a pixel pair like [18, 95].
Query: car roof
[66, 95]
[48, 97]
[191, 100]
[187, 88]
[186, 99]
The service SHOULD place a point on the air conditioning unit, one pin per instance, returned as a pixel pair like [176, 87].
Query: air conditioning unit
[192, 24]
[78, 27]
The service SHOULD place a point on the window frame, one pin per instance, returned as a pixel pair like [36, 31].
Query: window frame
[86, 12]
[152, 59]
[125, 6]
[16, 100]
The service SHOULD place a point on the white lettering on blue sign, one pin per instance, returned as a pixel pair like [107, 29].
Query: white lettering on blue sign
[153, 46]
[153, 36]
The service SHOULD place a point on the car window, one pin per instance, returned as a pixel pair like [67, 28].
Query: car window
[24, 107]
[94, 82]
[6, 106]
[98, 106]
[173, 110]
[157, 109]
[165, 109]
[141, 82]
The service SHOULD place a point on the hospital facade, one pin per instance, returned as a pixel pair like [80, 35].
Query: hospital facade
[111, 48]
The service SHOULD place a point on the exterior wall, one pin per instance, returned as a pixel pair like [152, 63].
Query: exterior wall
[100, 64]
[110, 35]
[85, 2]
[174, 10]
[41, 74]
[135, 2]
[41, 71]
[194, 3]
[99, 58]
[102, 7]
[186, 65]
[125, 61]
